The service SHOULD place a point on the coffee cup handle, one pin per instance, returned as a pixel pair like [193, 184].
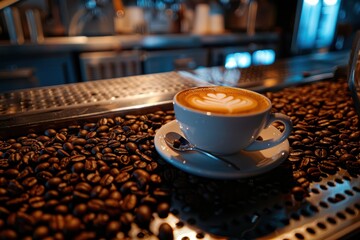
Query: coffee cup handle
[268, 143]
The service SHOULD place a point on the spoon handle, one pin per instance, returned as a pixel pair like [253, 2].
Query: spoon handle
[217, 157]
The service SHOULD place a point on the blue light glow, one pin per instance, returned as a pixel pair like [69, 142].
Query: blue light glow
[241, 60]
[312, 2]
[330, 2]
[263, 57]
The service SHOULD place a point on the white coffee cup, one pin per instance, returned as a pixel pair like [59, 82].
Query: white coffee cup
[225, 120]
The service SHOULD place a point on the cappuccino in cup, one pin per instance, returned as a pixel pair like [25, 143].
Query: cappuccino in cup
[225, 120]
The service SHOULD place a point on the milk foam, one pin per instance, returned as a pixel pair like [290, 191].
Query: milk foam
[221, 102]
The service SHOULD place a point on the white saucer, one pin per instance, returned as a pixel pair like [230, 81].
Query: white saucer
[250, 163]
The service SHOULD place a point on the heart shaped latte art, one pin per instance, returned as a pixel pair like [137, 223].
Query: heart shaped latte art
[221, 102]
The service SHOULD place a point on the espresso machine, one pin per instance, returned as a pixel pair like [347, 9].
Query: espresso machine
[87, 17]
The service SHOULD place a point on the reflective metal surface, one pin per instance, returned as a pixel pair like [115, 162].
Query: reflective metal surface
[81, 99]
[131, 41]
[282, 73]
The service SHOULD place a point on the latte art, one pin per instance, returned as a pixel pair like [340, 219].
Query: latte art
[223, 100]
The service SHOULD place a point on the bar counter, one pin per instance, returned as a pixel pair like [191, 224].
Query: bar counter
[79, 161]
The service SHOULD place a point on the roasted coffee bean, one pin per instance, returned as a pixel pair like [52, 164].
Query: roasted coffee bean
[143, 216]
[142, 177]
[131, 147]
[113, 228]
[41, 232]
[152, 166]
[77, 158]
[53, 182]
[165, 232]
[83, 187]
[80, 209]
[129, 202]
[8, 234]
[37, 190]
[14, 158]
[37, 202]
[163, 210]
[78, 167]
[90, 165]
[99, 192]
[15, 202]
[11, 173]
[122, 177]
[106, 180]
[353, 167]
[51, 194]
[71, 177]
[60, 137]
[79, 141]
[42, 167]
[93, 178]
[328, 167]
[15, 187]
[29, 182]
[140, 164]
[314, 173]
[347, 157]
[96, 205]
[321, 153]
[109, 157]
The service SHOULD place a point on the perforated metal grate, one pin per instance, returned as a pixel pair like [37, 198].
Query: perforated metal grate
[95, 92]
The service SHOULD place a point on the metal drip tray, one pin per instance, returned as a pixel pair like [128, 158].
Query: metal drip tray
[66, 101]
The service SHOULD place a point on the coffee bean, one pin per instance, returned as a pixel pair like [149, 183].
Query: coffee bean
[15, 187]
[78, 167]
[106, 180]
[321, 153]
[37, 202]
[129, 202]
[165, 232]
[41, 232]
[79, 141]
[80, 209]
[328, 167]
[8, 234]
[143, 216]
[29, 182]
[57, 223]
[113, 228]
[11, 173]
[95, 205]
[99, 192]
[347, 157]
[37, 190]
[163, 210]
[77, 158]
[131, 147]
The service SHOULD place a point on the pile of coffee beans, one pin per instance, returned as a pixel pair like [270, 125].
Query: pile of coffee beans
[88, 181]
[326, 134]
[95, 180]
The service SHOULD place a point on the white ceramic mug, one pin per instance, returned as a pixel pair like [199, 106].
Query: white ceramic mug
[225, 120]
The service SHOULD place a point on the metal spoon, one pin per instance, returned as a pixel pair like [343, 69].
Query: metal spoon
[179, 143]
